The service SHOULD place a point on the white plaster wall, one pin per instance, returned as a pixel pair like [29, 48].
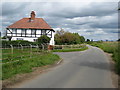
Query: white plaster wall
[52, 42]
[24, 38]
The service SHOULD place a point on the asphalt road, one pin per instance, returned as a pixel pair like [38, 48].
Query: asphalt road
[85, 69]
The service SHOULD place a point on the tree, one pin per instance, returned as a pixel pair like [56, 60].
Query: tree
[88, 40]
[106, 40]
[62, 37]
[43, 39]
[91, 40]
[59, 36]
[58, 39]
[61, 32]
[68, 38]
[82, 39]
[77, 38]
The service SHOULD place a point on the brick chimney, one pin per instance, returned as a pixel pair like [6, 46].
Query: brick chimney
[32, 16]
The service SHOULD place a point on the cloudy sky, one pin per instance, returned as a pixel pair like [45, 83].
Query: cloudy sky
[93, 20]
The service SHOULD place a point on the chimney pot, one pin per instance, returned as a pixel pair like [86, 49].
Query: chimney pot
[32, 15]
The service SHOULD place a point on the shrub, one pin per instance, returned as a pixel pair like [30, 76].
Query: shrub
[43, 39]
[16, 42]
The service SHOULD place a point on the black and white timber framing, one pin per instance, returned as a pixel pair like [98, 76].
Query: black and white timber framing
[29, 32]
[26, 34]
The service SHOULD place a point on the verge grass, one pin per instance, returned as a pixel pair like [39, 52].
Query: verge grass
[25, 65]
[70, 50]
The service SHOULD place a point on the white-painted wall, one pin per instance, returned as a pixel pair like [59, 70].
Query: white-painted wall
[24, 38]
[52, 41]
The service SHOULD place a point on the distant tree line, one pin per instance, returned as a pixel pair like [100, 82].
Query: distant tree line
[62, 37]
[118, 40]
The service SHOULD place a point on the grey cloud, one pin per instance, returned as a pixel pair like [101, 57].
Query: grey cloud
[110, 25]
[62, 15]
[89, 31]
[13, 8]
[94, 9]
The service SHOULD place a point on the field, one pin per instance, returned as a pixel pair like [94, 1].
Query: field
[111, 47]
[23, 60]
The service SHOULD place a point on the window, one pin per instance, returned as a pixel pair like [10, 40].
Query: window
[14, 30]
[33, 32]
[23, 31]
[43, 32]
[19, 38]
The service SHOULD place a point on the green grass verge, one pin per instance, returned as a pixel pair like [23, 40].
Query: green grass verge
[111, 47]
[17, 54]
[26, 65]
[70, 50]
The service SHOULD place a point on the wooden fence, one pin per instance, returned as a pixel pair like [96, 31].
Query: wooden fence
[11, 53]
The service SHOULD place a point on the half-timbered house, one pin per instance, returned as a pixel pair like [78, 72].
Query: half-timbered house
[30, 29]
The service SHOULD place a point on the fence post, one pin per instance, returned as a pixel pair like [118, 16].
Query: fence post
[18, 45]
[5, 45]
[21, 46]
[11, 49]
[62, 47]
[71, 46]
[53, 47]
[30, 50]
[79, 45]
[42, 46]
[37, 48]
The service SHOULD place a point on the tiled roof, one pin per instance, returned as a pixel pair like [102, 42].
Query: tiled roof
[37, 23]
